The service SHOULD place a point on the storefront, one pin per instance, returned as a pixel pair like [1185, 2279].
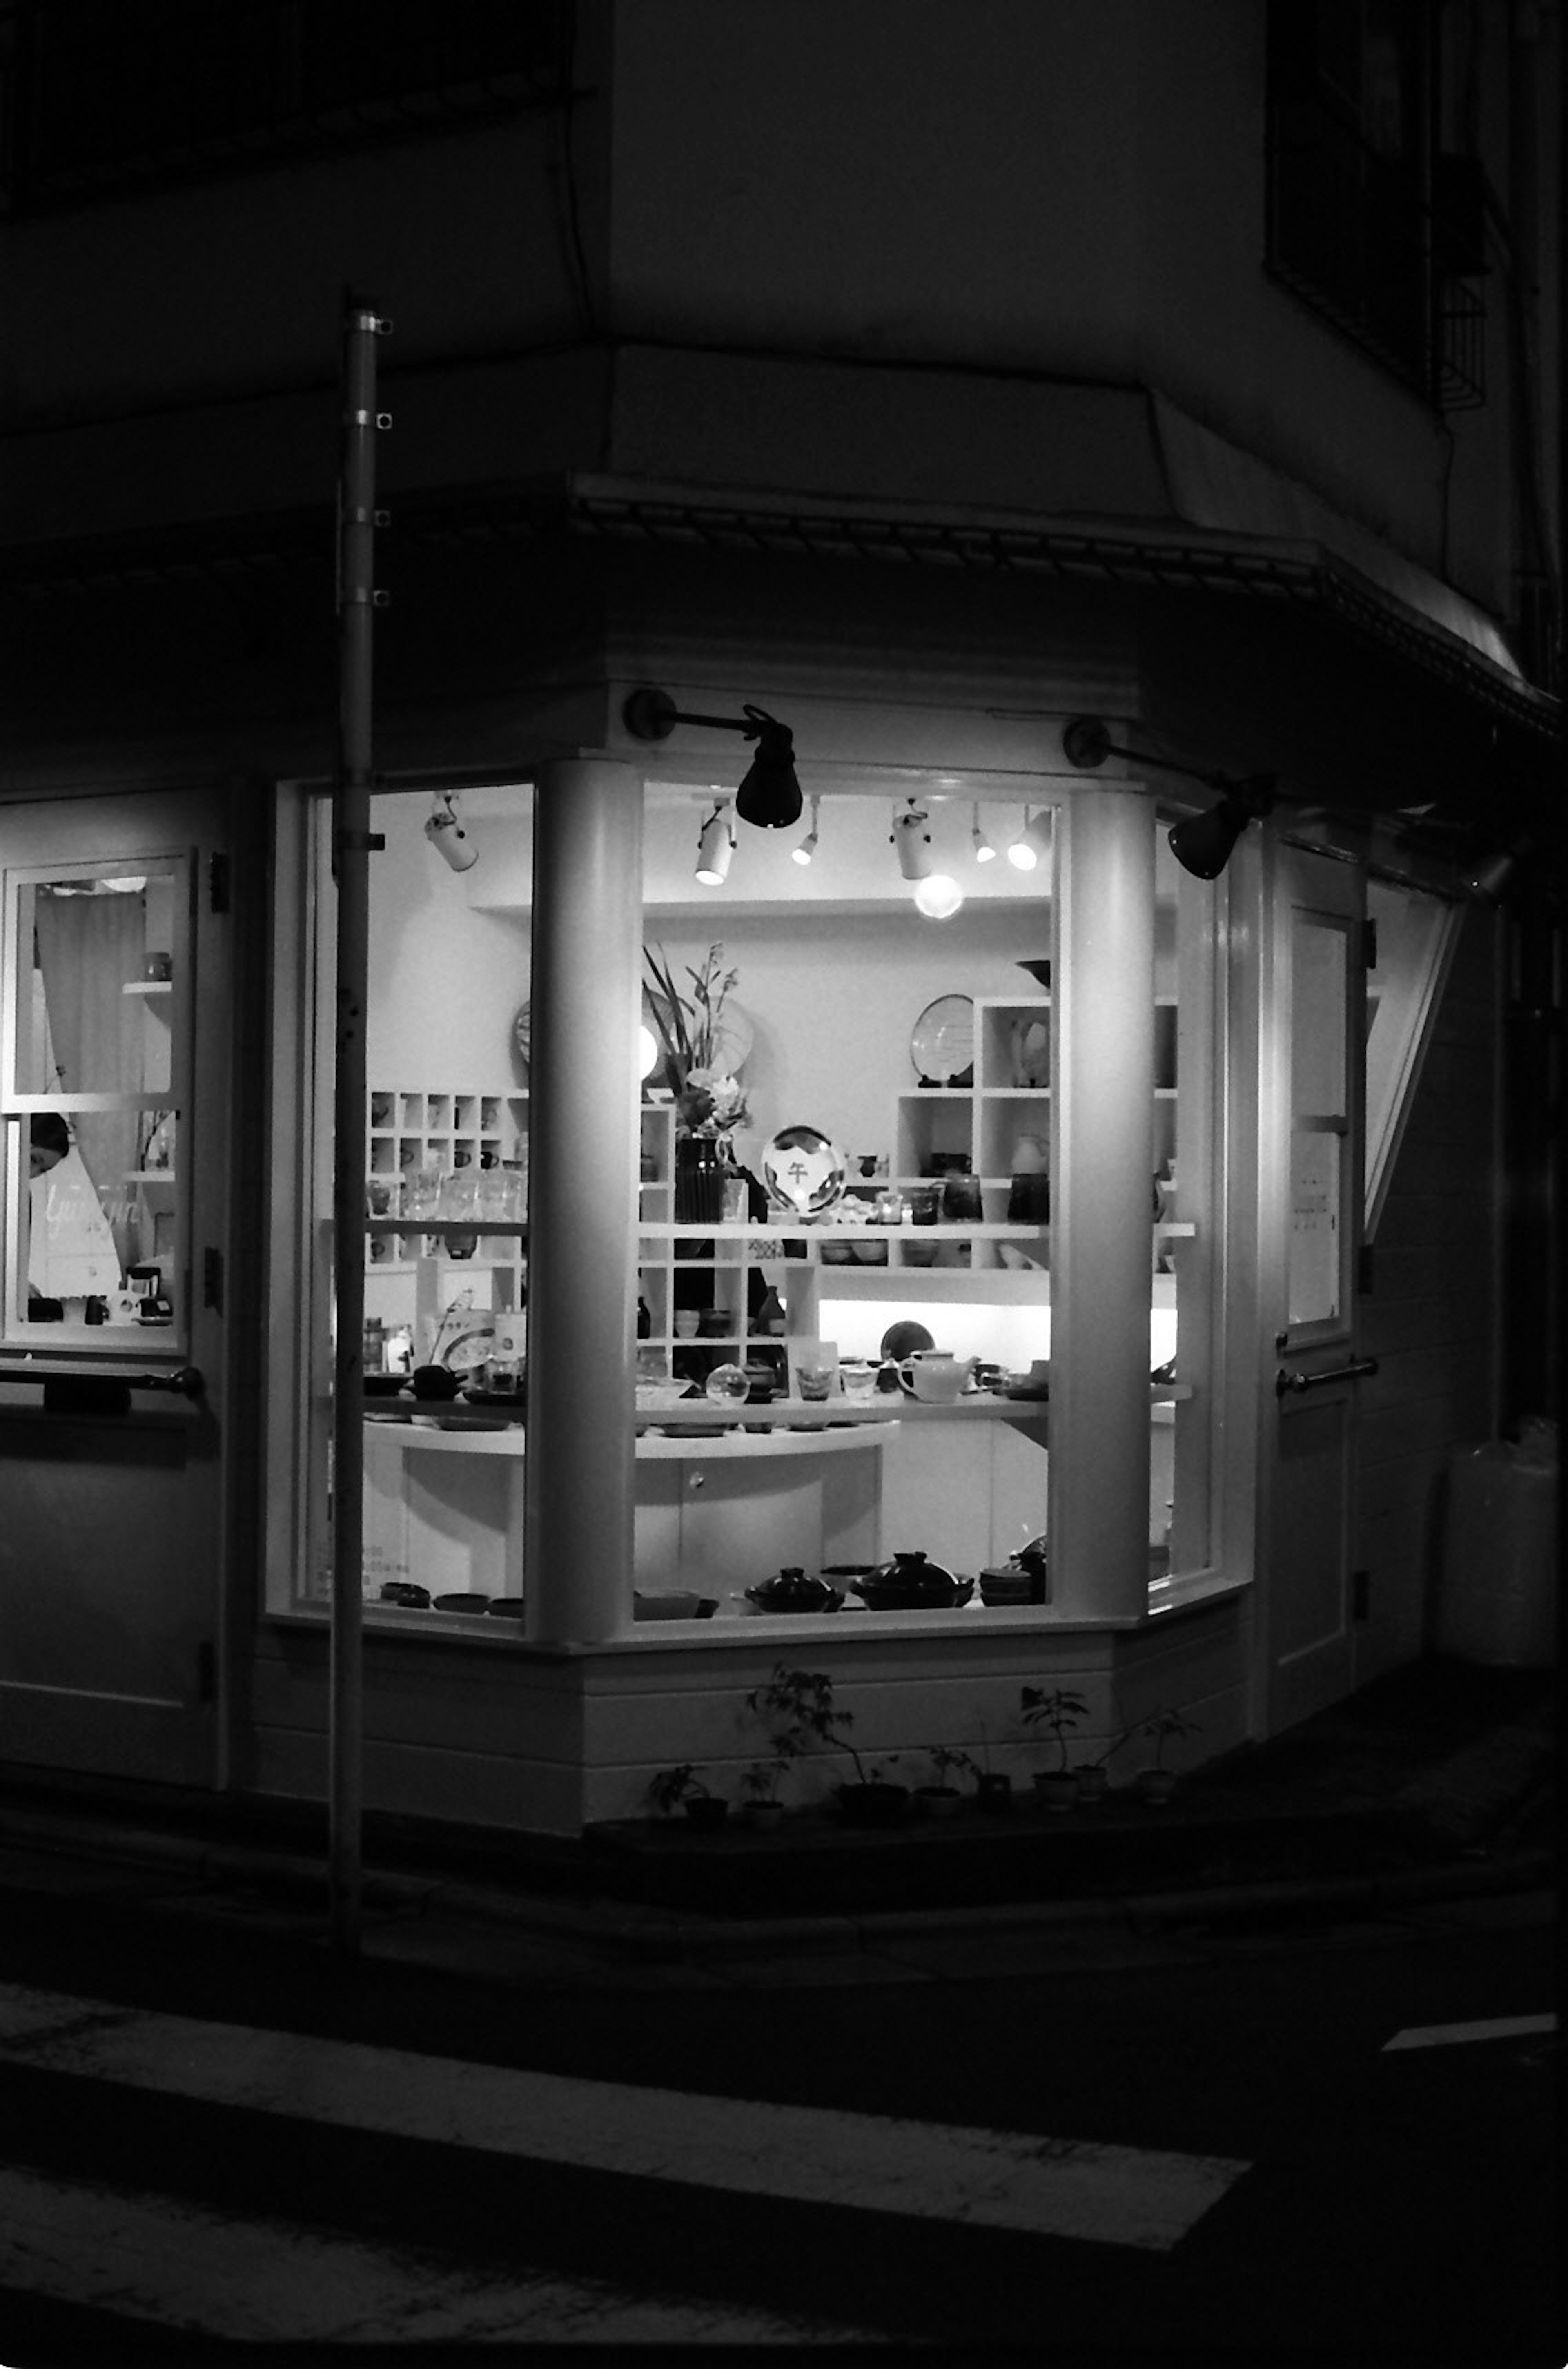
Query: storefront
[1117, 1108]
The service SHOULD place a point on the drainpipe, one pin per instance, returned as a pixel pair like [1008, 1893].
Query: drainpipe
[351, 845]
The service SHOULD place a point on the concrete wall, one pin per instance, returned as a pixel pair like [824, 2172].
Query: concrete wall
[1071, 194]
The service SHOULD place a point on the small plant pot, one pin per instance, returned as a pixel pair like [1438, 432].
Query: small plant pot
[706, 1812]
[994, 1794]
[766, 1816]
[1057, 1789]
[1093, 1782]
[937, 1800]
[1156, 1786]
[873, 1804]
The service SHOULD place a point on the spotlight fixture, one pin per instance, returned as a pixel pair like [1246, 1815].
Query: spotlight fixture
[715, 846]
[807, 847]
[984, 852]
[1032, 842]
[937, 895]
[449, 838]
[769, 797]
[1201, 843]
[913, 840]
[1488, 878]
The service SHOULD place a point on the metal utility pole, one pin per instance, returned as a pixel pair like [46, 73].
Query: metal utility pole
[351, 844]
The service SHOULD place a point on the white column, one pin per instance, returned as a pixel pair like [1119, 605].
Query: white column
[1102, 1205]
[582, 1199]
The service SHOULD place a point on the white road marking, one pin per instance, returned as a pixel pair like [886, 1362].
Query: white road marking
[1447, 2035]
[269, 2281]
[1008, 2179]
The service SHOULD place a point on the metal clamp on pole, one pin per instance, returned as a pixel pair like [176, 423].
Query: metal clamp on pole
[1286, 1382]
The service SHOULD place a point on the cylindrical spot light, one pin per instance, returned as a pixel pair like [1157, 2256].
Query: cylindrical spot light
[1032, 842]
[804, 853]
[715, 846]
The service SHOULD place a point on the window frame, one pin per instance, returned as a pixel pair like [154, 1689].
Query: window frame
[63, 1340]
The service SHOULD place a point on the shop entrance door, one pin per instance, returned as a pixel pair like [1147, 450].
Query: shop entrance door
[1313, 1201]
[116, 1054]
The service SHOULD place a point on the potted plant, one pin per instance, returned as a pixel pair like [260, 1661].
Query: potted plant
[682, 1788]
[1093, 1778]
[800, 1705]
[994, 1787]
[1059, 1710]
[1157, 1783]
[762, 1807]
[941, 1799]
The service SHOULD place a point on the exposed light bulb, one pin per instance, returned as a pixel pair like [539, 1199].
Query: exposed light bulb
[938, 897]
[647, 1050]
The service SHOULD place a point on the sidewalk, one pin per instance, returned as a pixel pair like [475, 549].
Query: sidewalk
[1435, 1781]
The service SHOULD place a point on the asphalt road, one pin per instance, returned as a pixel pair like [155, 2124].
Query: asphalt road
[1198, 2147]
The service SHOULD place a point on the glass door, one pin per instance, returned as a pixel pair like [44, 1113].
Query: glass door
[1314, 1201]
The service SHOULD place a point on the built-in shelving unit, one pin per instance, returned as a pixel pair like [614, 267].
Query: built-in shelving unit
[704, 1286]
[414, 1134]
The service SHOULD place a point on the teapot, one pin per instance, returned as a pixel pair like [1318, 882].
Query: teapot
[911, 1582]
[793, 1591]
[934, 1376]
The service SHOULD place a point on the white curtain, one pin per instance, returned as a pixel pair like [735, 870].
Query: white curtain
[87, 948]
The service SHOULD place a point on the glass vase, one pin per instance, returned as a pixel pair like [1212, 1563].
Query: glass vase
[699, 1180]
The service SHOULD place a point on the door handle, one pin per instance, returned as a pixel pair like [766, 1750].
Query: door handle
[1350, 1372]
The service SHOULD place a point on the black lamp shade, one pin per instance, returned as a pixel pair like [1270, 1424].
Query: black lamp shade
[1202, 843]
[768, 799]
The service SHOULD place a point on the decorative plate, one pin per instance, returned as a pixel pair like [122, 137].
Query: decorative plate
[522, 1032]
[803, 1171]
[942, 1045]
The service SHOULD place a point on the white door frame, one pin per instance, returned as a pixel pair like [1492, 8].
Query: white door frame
[1308, 1372]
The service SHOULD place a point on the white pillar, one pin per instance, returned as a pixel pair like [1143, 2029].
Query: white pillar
[582, 1199]
[1102, 1207]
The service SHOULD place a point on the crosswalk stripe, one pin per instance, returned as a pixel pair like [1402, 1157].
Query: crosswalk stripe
[1145, 2197]
[264, 2280]
[1448, 2035]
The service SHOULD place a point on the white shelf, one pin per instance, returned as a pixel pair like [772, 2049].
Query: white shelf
[660, 1231]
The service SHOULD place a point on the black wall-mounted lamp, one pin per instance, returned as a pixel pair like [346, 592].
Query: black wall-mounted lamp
[1201, 843]
[769, 797]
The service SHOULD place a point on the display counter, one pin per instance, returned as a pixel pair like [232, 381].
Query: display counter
[723, 1500]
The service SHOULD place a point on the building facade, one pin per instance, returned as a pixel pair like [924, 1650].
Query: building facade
[1190, 374]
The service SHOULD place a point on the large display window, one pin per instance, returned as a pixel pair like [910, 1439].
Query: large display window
[843, 1349]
